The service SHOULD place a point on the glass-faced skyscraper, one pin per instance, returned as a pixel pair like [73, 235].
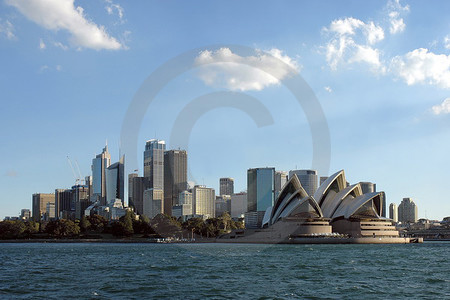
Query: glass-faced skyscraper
[260, 189]
[175, 177]
[99, 165]
[154, 163]
[226, 186]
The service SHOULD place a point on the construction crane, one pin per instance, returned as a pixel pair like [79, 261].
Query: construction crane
[78, 179]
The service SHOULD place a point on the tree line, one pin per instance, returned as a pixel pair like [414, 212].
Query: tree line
[96, 226]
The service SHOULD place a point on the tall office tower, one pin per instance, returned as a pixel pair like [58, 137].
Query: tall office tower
[80, 196]
[308, 179]
[185, 197]
[281, 177]
[49, 211]
[223, 204]
[260, 189]
[39, 205]
[238, 205]
[115, 188]
[322, 179]
[139, 185]
[64, 204]
[368, 187]
[226, 186]
[154, 163]
[88, 182]
[175, 177]
[203, 201]
[130, 188]
[25, 214]
[393, 212]
[407, 211]
[99, 165]
[153, 202]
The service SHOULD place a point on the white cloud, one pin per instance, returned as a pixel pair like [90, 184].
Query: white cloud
[422, 66]
[443, 108]
[223, 68]
[63, 15]
[43, 68]
[58, 68]
[328, 89]
[60, 45]
[352, 41]
[447, 42]
[42, 45]
[7, 29]
[112, 8]
[395, 12]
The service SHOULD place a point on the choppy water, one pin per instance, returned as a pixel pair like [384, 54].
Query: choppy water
[224, 271]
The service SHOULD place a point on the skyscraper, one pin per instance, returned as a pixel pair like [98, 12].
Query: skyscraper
[115, 182]
[226, 186]
[281, 177]
[80, 195]
[238, 205]
[153, 202]
[154, 163]
[139, 185]
[368, 187]
[99, 165]
[308, 179]
[175, 177]
[260, 189]
[39, 205]
[130, 188]
[203, 201]
[393, 212]
[407, 211]
[64, 204]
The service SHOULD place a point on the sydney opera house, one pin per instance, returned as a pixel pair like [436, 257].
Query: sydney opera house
[337, 213]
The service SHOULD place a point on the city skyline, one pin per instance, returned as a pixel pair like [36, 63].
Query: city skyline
[384, 92]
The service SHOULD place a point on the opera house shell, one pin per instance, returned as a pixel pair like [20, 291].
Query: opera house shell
[336, 213]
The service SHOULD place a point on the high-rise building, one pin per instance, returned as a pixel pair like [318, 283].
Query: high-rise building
[130, 188]
[322, 179]
[260, 189]
[25, 214]
[185, 205]
[281, 177]
[223, 204]
[49, 211]
[368, 187]
[153, 202]
[407, 211]
[80, 196]
[139, 185]
[39, 205]
[175, 177]
[99, 165]
[185, 197]
[203, 201]
[154, 163]
[393, 212]
[238, 205]
[64, 204]
[226, 186]
[308, 179]
[88, 183]
[115, 188]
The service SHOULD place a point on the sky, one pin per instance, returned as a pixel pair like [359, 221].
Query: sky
[216, 78]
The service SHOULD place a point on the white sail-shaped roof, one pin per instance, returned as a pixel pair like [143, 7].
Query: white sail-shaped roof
[330, 187]
[331, 204]
[351, 206]
[291, 188]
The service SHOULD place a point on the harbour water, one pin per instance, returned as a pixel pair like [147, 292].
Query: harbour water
[224, 271]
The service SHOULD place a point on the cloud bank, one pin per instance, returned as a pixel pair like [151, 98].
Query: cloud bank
[63, 15]
[225, 69]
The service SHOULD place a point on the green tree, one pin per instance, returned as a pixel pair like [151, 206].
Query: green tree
[98, 223]
[31, 228]
[128, 223]
[11, 229]
[62, 228]
[84, 224]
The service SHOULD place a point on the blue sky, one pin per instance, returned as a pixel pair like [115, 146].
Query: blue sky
[379, 69]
